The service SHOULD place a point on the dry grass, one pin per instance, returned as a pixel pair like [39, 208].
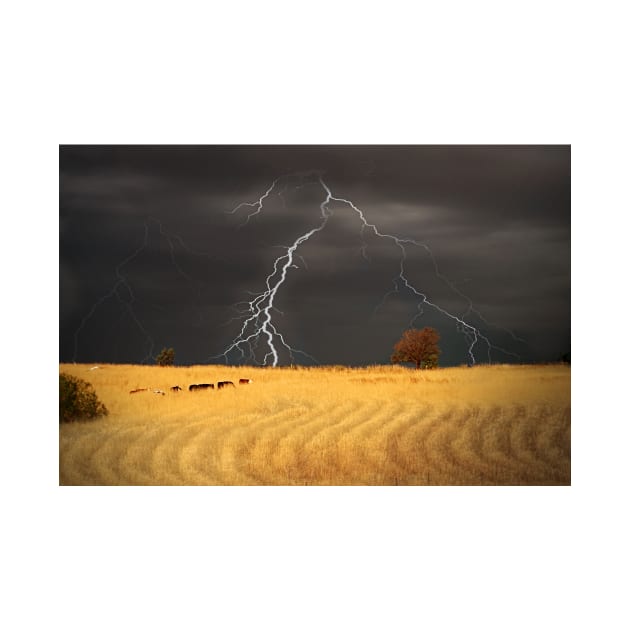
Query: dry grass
[326, 426]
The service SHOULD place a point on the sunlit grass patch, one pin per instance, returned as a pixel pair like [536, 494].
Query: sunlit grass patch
[330, 425]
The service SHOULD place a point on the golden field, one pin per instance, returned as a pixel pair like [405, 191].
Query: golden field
[381, 425]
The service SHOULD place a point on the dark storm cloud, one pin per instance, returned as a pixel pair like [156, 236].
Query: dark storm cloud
[484, 177]
[497, 220]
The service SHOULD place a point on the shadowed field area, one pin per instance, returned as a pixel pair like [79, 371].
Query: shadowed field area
[382, 425]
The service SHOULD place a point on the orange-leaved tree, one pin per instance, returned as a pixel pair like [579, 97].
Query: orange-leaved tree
[419, 347]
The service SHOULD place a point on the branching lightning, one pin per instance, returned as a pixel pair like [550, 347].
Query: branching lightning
[115, 292]
[123, 292]
[259, 339]
[258, 328]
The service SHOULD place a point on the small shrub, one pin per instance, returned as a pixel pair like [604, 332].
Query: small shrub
[166, 357]
[78, 400]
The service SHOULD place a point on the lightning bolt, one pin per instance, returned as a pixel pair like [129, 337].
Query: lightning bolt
[115, 292]
[123, 293]
[257, 205]
[258, 328]
[257, 316]
[259, 334]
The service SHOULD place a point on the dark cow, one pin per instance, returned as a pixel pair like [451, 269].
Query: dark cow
[176, 388]
[245, 381]
[222, 384]
[193, 388]
[135, 391]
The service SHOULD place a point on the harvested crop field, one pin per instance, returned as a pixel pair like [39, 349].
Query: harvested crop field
[381, 425]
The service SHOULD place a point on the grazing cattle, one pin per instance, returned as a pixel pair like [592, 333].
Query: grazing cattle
[193, 388]
[158, 391]
[222, 384]
[176, 388]
[245, 381]
[135, 391]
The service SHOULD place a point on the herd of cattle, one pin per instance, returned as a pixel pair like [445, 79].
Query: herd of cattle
[195, 387]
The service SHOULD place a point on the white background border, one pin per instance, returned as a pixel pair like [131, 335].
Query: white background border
[408, 73]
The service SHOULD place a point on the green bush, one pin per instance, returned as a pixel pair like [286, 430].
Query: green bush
[78, 400]
[166, 357]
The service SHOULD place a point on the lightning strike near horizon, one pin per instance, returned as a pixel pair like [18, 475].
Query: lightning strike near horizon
[123, 285]
[259, 339]
[258, 326]
[121, 281]
[257, 322]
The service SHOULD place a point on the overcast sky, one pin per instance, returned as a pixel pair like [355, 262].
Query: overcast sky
[156, 252]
